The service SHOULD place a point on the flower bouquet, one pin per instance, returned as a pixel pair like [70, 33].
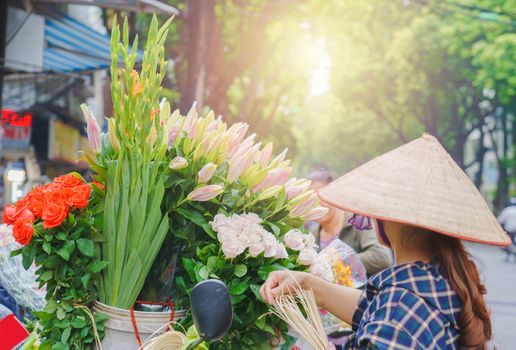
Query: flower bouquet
[169, 189]
[54, 224]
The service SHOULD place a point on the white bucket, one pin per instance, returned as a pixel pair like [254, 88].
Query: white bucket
[119, 327]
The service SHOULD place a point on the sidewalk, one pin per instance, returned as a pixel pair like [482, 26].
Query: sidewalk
[500, 279]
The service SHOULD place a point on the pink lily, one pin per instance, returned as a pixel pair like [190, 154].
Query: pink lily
[207, 172]
[205, 193]
[315, 213]
[92, 129]
[265, 155]
[277, 176]
[305, 206]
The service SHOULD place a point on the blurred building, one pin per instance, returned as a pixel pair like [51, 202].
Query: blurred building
[56, 56]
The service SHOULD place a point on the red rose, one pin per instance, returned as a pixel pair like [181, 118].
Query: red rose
[68, 181]
[26, 215]
[54, 214]
[9, 214]
[80, 196]
[23, 231]
[35, 200]
[56, 193]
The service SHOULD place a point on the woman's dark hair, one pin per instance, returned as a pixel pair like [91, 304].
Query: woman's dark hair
[463, 276]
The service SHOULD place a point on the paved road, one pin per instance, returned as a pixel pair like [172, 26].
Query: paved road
[500, 279]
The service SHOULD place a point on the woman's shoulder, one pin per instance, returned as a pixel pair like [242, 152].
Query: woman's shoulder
[417, 291]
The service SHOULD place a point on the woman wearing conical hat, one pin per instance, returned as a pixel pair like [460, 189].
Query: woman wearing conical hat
[422, 206]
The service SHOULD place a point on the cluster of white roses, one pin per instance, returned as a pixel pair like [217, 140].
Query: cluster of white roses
[237, 233]
[304, 243]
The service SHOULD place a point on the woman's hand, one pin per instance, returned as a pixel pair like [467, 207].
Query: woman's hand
[339, 300]
[282, 283]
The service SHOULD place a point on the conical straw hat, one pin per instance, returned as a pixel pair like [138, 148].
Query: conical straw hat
[418, 184]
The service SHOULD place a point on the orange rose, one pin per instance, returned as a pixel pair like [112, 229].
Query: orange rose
[26, 215]
[68, 181]
[9, 214]
[23, 231]
[54, 214]
[80, 196]
[56, 193]
[35, 200]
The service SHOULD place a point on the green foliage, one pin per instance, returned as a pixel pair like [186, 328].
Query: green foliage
[131, 166]
[69, 269]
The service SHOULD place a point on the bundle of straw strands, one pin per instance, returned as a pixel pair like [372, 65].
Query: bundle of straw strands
[310, 327]
[171, 340]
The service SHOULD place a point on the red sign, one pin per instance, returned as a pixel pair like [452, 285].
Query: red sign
[12, 332]
[12, 118]
[16, 129]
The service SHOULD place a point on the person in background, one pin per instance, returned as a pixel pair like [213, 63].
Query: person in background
[507, 219]
[335, 224]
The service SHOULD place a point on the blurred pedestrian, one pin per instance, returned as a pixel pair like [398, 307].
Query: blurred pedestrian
[507, 219]
[335, 225]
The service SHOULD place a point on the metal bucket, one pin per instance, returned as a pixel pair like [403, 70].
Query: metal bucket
[119, 327]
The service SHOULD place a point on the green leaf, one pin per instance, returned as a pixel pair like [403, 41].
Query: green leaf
[100, 317]
[61, 313]
[51, 306]
[85, 280]
[62, 236]
[198, 219]
[240, 270]
[78, 322]
[66, 335]
[264, 271]
[51, 262]
[60, 346]
[47, 248]
[46, 276]
[237, 288]
[203, 273]
[188, 265]
[16, 252]
[66, 251]
[97, 266]
[86, 246]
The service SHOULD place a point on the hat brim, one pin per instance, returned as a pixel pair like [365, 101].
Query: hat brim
[407, 222]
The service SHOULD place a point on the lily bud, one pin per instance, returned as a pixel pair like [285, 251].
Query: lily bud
[279, 159]
[205, 193]
[265, 155]
[178, 163]
[237, 133]
[306, 206]
[237, 166]
[92, 129]
[315, 213]
[277, 176]
[113, 139]
[301, 198]
[297, 188]
[207, 172]
[270, 192]
[153, 136]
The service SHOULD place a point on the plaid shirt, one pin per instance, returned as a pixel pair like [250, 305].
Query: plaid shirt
[408, 306]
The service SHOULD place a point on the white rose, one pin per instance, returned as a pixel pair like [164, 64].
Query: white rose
[281, 252]
[256, 249]
[226, 234]
[307, 256]
[310, 240]
[295, 240]
[232, 249]
[270, 246]
[252, 218]
[218, 221]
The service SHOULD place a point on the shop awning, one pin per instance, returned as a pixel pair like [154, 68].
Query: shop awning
[72, 46]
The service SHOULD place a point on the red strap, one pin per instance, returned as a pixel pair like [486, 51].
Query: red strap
[133, 319]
